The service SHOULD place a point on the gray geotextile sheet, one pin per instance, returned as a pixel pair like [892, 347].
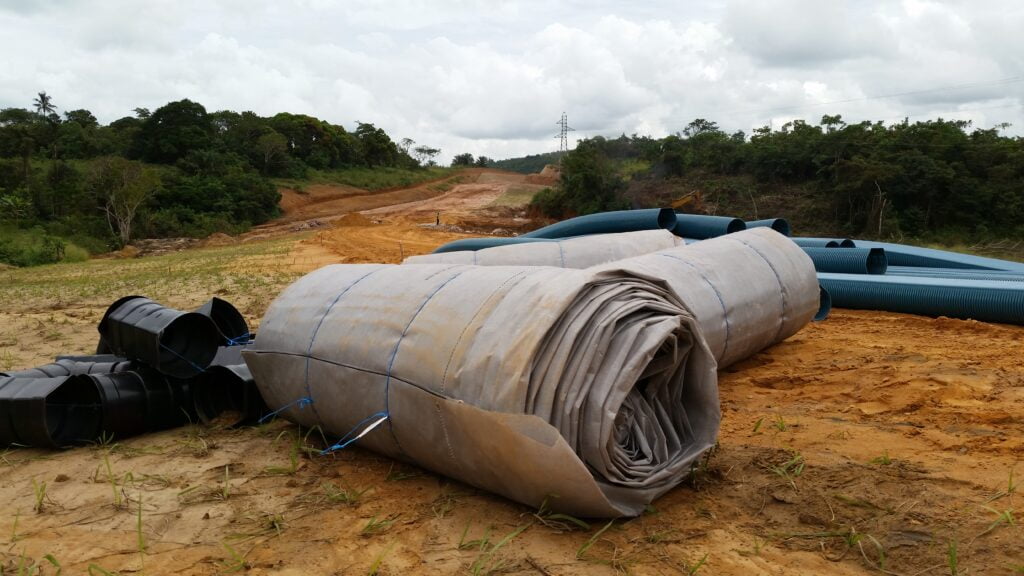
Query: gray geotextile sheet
[591, 390]
[748, 290]
[578, 252]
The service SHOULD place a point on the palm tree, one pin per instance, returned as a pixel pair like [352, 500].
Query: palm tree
[44, 104]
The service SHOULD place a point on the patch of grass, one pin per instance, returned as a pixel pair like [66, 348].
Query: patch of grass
[790, 469]
[39, 490]
[371, 179]
[515, 197]
[780, 423]
[488, 561]
[582, 550]
[883, 460]
[558, 522]
[378, 560]
[377, 525]
[235, 562]
[953, 559]
[343, 494]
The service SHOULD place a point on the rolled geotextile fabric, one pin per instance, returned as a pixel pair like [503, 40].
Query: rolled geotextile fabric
[848, 260]
[175, 343]
[592, 391]
[608, 223]
[903, 255]
[780, 225]
[986, 300]
[748, 290]
[998, 275]
[701, 227]
[824, 242]
[579, 252]
[48, 412]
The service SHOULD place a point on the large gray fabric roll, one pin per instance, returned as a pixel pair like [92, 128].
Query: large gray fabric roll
[593, 390]
[579, 252]
[748, 290]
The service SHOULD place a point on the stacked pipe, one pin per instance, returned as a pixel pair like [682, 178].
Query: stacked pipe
[160, 368]
[870, 275]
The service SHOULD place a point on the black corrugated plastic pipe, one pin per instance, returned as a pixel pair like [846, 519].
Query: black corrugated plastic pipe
[48, 412]
[175, 343]
[848, 260]
[228, 394]
[230, 322]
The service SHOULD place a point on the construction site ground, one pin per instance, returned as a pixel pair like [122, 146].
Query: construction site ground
[870, 443]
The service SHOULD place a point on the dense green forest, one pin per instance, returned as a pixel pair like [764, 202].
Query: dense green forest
[69, 185]
[937, 180]
[529, 164]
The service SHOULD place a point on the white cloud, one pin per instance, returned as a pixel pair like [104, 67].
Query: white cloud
[493, 78]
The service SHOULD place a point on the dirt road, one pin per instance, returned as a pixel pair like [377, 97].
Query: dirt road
[871, 443]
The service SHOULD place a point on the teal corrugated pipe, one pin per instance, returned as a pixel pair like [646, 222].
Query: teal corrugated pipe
[702, 227]
[848, 260]
[608, 223]
[481, 243]
[998, 275]
[984, 300]
[902, 255]
[780, 225]
[824, 242]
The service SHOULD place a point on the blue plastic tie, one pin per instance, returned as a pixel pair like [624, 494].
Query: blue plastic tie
[240, 340]
[189, 362]
[347, 439]
[301, 403]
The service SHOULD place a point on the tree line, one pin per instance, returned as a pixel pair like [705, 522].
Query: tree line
[176, 171]
[921, 179]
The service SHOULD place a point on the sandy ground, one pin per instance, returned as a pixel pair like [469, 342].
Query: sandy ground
[871, 443]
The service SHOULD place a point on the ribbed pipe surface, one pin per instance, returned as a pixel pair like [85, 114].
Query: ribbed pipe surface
[700, 227]
[848, 260]
[780, 225]
[985, 300]
[608, 223]
[824, 242]
[903, 255]
[579, 252]
[997, 275]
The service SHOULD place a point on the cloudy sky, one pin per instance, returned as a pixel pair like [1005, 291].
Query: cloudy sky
[493, 78]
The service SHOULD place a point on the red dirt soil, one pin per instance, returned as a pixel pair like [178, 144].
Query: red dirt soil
[869, 443]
